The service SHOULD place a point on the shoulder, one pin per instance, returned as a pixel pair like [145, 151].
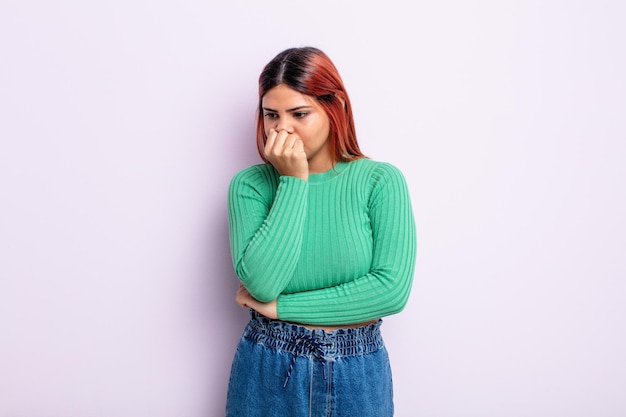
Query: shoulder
[382, 182]
[377, 171]
[255, 173]
[256, 176]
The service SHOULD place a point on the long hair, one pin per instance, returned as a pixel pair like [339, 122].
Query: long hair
[310, 71]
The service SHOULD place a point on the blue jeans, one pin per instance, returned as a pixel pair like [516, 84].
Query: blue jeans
[282, 369]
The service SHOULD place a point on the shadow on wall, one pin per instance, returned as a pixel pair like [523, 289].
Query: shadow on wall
[222, 319]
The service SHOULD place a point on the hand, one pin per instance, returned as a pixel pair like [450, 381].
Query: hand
[246, 300]
[285, 151]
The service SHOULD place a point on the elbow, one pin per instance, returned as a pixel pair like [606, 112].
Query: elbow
[397, 304]
[258, 287]
[398, 295]
[262, 294]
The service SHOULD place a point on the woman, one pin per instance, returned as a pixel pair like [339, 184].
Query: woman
[323, 241]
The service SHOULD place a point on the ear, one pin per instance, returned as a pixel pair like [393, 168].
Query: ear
[343, 102]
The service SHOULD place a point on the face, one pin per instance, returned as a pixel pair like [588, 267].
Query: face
[286, 109]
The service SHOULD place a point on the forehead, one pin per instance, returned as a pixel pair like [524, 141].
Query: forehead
[283, 96]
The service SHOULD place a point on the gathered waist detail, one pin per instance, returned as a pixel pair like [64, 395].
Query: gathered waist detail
[321, 344]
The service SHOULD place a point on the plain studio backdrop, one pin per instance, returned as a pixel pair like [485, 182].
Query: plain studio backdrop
[122, 122]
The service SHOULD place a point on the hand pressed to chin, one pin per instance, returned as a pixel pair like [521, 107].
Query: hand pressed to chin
[285, 151]
[246, 300]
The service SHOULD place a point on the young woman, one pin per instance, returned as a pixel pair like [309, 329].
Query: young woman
[323, 241]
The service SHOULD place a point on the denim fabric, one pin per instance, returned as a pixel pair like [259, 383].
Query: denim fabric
[282, 369]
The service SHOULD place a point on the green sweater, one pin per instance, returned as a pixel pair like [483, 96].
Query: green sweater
[338, 249]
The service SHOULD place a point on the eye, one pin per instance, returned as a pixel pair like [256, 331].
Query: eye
[270, 115]
[300, 114]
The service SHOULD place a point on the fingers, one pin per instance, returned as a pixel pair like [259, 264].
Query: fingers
[285, 152]
[269, 143]
[298, 148]
[243, 297]
[246, 300]
[279, 144]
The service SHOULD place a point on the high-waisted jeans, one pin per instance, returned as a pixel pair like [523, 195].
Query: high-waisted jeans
[282, 369]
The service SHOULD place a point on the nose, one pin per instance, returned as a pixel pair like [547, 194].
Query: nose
[284, 124]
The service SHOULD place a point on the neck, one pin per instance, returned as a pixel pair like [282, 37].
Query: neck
[318, 168]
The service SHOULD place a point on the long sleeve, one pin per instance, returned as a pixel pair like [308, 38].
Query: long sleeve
[266, 215]
[385, 288]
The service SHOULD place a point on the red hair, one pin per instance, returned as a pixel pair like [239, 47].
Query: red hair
[311, 72]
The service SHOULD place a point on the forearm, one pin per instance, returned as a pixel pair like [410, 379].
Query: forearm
[366, 298]
[266, 242]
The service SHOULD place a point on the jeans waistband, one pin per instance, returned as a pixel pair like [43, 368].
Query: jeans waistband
[318, 343]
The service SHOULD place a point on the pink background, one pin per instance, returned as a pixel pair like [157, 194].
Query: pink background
[121, 123]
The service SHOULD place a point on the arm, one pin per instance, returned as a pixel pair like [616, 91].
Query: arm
[266, 217]
[384, 290]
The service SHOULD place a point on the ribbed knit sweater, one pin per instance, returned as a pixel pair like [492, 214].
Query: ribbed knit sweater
[336, 249]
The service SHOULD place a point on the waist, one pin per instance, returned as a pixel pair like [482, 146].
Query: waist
[292, 337]
[333, 328]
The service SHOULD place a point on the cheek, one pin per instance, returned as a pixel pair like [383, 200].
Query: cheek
[320, 131]
[324, 132]
[325, 128]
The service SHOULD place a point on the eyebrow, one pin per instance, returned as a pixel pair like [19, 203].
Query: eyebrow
[288, 110]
